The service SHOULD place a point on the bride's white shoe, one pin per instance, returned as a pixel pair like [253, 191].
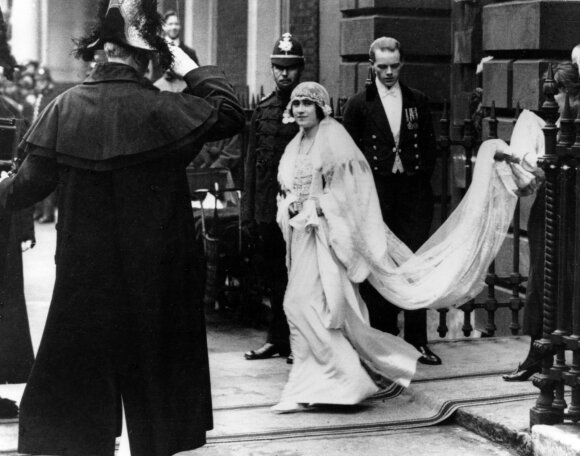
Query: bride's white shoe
[288, 407]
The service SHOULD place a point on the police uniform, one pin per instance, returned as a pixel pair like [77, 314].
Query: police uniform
[267, 140]
[404, 187]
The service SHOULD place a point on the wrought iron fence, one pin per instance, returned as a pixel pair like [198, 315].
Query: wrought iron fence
[512, 281]
[561, 296]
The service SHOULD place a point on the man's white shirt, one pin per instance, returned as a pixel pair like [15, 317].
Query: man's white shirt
[392, 101]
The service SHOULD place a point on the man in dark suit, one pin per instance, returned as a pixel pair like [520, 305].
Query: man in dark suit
[168, 80]
[391, 124]
[172, 29]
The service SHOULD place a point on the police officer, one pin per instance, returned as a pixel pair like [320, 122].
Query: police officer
[267, 140]
[391, 124]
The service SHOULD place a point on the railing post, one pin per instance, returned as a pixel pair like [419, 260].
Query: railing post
[445, 144]
[492, 122]
[468, 139]
[572, 377]
[516, 303]
[491, 278]
[468, 142]
[544, 411]
[562, 317]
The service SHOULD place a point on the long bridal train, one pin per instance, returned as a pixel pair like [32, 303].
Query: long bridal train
[334, 346]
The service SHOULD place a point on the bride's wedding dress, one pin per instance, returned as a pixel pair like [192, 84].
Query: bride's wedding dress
[337, 354]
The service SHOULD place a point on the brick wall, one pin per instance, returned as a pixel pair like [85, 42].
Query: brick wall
[232, 40]
[304, 25]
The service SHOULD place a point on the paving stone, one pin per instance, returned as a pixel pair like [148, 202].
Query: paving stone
[561, 440]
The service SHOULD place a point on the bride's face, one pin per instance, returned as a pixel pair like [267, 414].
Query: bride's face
[304, 111]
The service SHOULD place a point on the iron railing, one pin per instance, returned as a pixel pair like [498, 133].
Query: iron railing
[561, 296]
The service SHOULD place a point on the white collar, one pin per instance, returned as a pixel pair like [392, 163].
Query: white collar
[384, 91]
[176, 41]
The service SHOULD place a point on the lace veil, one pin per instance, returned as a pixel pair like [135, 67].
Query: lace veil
[449, 269]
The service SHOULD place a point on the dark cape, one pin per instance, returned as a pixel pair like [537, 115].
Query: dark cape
[131, 121]
[126, 319]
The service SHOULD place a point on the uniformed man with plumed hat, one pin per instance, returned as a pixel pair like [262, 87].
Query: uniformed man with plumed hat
[126, 324]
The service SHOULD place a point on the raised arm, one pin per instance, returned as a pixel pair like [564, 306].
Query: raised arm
[35, 180]
[209, 83]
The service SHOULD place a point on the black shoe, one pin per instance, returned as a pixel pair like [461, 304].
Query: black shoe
[290, 359]
[522, 374]
[266, 351]
[427, 356]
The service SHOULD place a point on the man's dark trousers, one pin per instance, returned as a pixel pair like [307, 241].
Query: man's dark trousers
[275, 274]
[407, 207]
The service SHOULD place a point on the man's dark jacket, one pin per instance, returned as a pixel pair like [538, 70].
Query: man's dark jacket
[268, 138]
[125, 317]
[366, 121]
[406, 199]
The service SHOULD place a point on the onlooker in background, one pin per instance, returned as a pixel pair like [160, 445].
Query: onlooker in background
[172, 31]
[30, 67]
[567, 82]
[45, 211]
[225, 153]
[576, 56]
[16, 235]
[269, 136]
[26, 95]
[391, 123]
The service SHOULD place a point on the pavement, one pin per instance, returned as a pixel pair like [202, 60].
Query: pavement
[459, 408]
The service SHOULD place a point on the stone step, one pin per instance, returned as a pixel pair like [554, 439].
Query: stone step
[508, 425]
[445, 440]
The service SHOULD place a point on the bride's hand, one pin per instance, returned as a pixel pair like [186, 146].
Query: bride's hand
[526, 182]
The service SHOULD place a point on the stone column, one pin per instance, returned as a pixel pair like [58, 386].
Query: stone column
[200, 30]
[66, 20]
[25, 20]
[263, 30]
[329, 70]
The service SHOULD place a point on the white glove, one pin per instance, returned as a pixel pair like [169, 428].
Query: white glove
[26, 245]
[4, 175]
[182, 63]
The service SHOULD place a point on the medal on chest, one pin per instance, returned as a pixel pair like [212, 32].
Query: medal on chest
[412, 118]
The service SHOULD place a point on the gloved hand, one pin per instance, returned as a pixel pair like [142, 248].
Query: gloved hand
[26, 245]
[182, 63]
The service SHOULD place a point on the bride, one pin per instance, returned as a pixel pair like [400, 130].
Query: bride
[330, 217]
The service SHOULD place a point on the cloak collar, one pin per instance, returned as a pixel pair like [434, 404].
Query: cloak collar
[115, 72]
